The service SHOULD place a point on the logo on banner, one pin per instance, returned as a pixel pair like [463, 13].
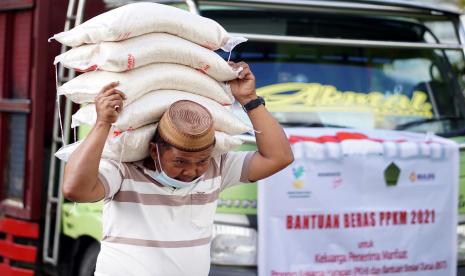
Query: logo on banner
[298, 172]
[335, 176]
[391, 174]
[298, 184]
[421, 177]
[413, 177]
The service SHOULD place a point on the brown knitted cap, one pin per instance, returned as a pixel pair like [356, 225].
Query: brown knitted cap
[187, 126]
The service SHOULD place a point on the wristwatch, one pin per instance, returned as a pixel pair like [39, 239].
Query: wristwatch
[253, 104]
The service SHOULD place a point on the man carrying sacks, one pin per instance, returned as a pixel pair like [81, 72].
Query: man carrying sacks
[158, 212]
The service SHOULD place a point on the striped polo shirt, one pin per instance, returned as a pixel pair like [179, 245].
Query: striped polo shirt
[151, 229]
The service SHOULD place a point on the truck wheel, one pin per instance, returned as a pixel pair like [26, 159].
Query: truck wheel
[89, 258]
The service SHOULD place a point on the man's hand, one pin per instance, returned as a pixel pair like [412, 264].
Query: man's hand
[109, 103]
[243, 88]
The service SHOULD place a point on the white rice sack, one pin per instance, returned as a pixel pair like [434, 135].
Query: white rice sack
[137, 82]
[224, 143]
[130, 146]
[136, 145]
[143, 50]
[141, 18]
[150, 107]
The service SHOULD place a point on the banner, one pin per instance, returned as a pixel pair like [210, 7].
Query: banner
[361, 203]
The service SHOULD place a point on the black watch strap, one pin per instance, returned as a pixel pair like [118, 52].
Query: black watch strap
[253, 104]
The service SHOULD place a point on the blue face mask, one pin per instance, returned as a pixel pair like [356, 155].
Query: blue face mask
[164, 179]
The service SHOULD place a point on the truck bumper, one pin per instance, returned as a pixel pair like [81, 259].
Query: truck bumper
[461, 270]
[216, 270]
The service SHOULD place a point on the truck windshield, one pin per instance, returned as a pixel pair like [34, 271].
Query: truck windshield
[413, 89]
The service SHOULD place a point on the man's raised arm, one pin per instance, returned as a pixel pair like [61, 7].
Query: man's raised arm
[274, 152]
[81, 183]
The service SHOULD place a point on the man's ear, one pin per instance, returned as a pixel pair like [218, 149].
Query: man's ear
[153, 151]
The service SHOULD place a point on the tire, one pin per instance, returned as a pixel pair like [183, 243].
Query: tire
[89, 259]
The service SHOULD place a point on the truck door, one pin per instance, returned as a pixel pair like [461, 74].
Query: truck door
[24, 82]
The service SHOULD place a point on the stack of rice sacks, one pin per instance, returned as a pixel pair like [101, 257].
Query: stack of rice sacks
[159, 54]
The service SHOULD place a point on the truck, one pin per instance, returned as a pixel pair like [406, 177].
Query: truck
[395, 65]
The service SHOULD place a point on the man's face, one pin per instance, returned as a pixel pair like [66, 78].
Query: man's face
[182, 165]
